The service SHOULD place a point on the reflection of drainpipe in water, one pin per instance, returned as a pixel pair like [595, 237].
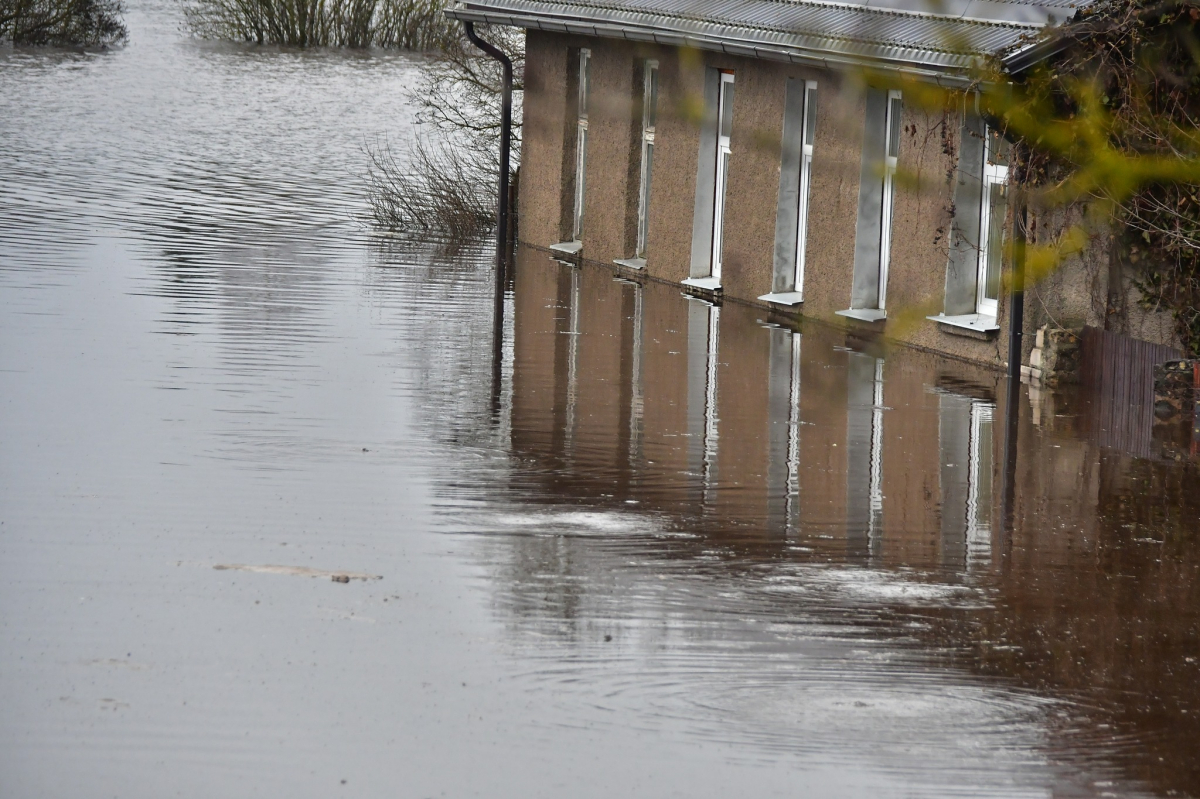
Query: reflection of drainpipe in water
[502, 244]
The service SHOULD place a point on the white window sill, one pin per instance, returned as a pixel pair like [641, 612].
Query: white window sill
[974, 322]
[864, 314]
[569, 247]
[707, 283]
[784, 298]
[631, 263]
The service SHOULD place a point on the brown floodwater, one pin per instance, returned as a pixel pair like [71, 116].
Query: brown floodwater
[651, 547]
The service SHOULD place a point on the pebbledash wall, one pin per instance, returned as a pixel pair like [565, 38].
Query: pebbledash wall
[928, 178]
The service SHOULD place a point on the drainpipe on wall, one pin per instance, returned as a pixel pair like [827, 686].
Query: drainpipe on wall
[505, 145]
[1017, 306]
[1012, 401]
[502, 243]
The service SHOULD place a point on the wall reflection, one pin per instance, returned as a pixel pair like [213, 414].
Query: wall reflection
[774, 447]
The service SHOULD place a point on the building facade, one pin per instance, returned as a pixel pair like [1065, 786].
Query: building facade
[780, 154]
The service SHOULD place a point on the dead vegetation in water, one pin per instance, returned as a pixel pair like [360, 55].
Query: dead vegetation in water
[62, 23]
[443, 181]
[436, 188]
[402, 24]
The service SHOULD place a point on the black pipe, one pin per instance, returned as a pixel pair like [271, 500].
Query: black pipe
[505, 145]
[1012, 403]
[1016, 325]
[502, 243]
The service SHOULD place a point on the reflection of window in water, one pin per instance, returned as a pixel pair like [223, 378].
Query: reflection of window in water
[703, 326]
[572, 334]
[965, 430]
[864, 456]
[783, 402]
[979, 484]
[636, 393]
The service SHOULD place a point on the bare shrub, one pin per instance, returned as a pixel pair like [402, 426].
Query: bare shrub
[446, 181]
[86, 23]
[439, 188]
[404, 24]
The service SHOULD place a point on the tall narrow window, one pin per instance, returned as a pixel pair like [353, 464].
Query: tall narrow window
[585, 58]
[891, 157]
[724, 131]
[991, 224]
[649, 119]
[806, 155]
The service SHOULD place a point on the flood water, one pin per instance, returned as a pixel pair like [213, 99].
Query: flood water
[671, 549]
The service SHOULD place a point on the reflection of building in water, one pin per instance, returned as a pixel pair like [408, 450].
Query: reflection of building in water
[864, 443]
[783, 413]
[965, 432]
[703, 334]
[636, 403]
[1092, 589]
[572, 332]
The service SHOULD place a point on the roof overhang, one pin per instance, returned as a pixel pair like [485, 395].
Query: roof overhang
[943, 67]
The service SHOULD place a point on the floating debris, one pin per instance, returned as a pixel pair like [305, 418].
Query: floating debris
[299, 571]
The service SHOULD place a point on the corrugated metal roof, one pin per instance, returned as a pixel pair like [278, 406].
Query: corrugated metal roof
[936, 36]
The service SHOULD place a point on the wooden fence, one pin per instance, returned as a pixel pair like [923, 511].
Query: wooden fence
[1117, 374]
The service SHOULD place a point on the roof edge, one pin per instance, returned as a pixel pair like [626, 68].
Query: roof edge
[730, 45]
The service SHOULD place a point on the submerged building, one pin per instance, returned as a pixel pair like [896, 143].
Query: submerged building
[759, 151]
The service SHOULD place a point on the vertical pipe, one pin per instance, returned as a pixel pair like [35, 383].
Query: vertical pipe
[1017, 304]
[1013, 399]
[505, 144]
[502, 243]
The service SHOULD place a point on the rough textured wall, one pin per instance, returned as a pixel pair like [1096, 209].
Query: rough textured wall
[753, 190]
[610, 115]
[833, 200]
[544, 113]
[677, 136]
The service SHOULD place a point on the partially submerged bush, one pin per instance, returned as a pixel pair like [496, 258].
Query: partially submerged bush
[85, 23]
[446, 184]
[439, 188]
[405, 24]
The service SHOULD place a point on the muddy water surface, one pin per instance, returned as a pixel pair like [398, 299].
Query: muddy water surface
[675, 550]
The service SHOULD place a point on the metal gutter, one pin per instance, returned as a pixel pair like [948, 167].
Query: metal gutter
[954, 75]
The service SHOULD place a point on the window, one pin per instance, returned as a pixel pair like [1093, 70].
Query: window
[977, 234]
[991, 223]
[724, 131]
[712, 181]
[795, 179]
[585, 58]
[649, 119]
[876, 198]
[806, 144]
[891, 157]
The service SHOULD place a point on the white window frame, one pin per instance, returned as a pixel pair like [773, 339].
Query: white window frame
[649, 120]
[724, 111]
[891, 153]
[993, 175]
[585, 57]
[808, 135]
